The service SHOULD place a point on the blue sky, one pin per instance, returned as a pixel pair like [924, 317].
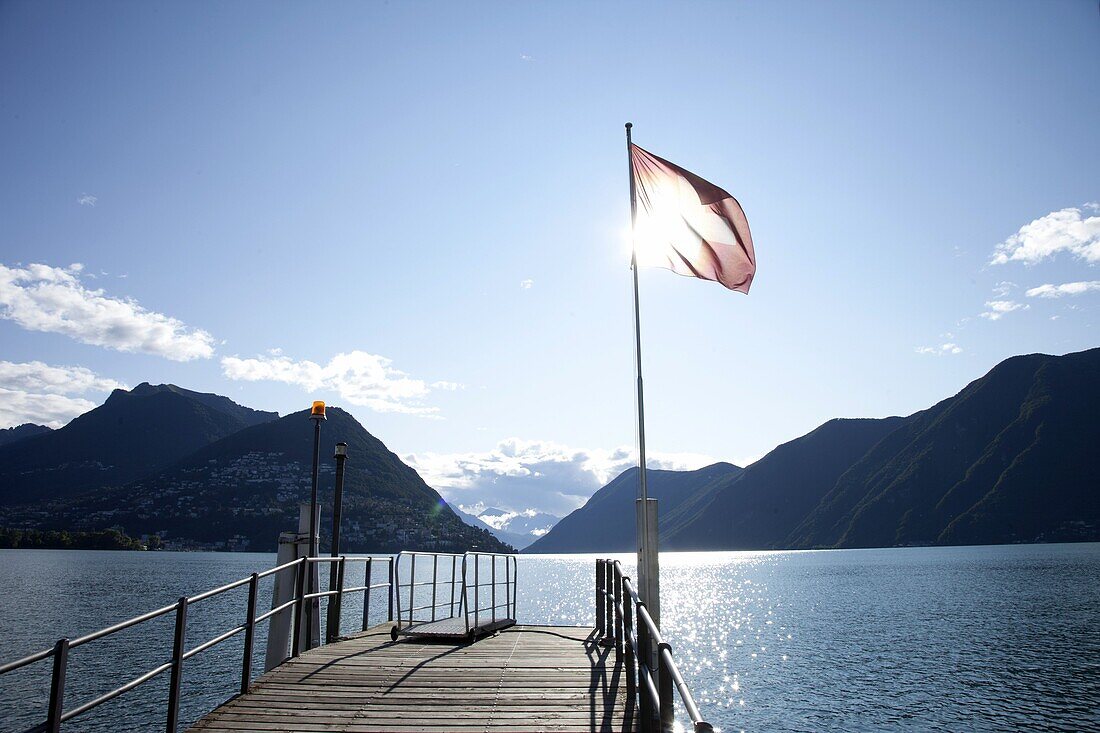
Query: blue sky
[427, 202]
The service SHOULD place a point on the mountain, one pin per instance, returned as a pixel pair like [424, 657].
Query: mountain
[243, 490]
[518, 529]
[529, 522]
[517, 541]
[245, 415]
[1010, 458]
[606, 522]
[470, 519]
[128, 436]
[26, 430]
[759, 507]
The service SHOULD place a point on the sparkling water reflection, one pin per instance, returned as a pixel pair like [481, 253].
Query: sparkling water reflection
[977, 639]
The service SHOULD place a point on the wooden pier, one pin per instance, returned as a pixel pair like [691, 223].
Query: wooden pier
[524, 678]
[403, 675]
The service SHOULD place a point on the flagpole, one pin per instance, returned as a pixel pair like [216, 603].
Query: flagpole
[647, 561]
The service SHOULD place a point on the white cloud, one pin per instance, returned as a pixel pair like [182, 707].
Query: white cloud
[39, 393]
[941, 350]
[521, 475]
[1068, 230]
[53, 410]
[1002, 289]
[34, 376]
[358, 377]
[527, 284]
[999, 308]
[87, 199]
[448, 386]
[1057, 291]
[52, 299]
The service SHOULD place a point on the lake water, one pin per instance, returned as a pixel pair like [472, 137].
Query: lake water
[922, 639]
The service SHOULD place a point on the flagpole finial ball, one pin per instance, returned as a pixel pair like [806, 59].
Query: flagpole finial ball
[629, 125]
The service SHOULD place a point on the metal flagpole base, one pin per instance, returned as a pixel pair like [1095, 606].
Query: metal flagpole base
[649, 572]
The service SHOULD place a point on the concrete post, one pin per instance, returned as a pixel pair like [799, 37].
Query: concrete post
[292, 545]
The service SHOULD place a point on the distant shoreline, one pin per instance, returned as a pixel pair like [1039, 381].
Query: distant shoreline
[112, 540]
[38, 539]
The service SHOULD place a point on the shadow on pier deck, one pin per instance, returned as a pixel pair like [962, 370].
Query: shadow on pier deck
[525, 678]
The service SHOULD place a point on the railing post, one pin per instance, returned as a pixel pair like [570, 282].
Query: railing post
[645, 702]
[340, 593]
[249, 632]
[628, 647]
[664, 687]
[618, 616]
[609, 585]
[391, 613]
[176, 679]
[57, 685]
[454, 568]
[493, 584]
[435, 581]
[299, 608]
[335, 603]
[601, 577]
[367, 580]
[412, 586]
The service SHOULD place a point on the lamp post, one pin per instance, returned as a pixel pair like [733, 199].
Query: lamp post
[316, 414]
[337, 505]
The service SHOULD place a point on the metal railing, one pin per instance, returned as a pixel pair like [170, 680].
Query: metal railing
[458, 591]
[623, 620]
[407, 615]
[511, 573]
[56, 714]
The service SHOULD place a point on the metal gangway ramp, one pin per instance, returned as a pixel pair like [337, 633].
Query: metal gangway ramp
[450, 596]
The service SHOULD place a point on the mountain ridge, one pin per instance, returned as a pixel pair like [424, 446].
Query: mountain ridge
[242, 490]
[19, 432]
[1011, 457]
[606, 521]
[130, 435]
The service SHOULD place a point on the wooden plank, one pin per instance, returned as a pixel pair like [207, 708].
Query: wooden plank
[521, 678]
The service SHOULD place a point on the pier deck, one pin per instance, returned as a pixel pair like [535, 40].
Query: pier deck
[524, 678]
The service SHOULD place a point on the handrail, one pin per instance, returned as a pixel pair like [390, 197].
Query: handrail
[217, 591]
[624, 621]
[121, 626]
[56, 714]
[29, 659]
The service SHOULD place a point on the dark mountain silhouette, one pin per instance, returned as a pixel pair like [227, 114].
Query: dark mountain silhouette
[130, 435]
[760, 507]
[244, 489]
[246, 415]
[26, 430]
[1011, 458]
[606, 522]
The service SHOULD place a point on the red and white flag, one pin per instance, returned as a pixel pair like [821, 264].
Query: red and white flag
[688, 225]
